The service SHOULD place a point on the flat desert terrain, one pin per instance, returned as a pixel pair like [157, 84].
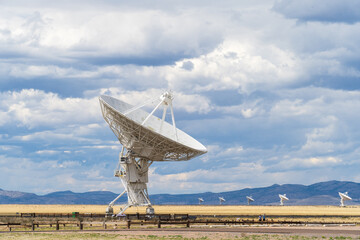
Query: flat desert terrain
[199, 232]
[238, 210]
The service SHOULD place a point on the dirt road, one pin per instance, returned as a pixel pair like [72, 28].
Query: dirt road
[230, 232]
[351, 231]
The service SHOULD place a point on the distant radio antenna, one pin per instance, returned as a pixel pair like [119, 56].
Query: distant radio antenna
[344, 197]
[282, 199]
[221, 199]
[200, 201]
[249, 199]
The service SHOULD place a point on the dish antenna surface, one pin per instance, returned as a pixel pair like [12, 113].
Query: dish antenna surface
[282, 199]
[201, 200]
[145, 138]
[249, 199]
[344, 197]
[221, 199]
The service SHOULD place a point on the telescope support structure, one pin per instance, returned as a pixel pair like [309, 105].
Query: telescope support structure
[133, 173]
[146, 138]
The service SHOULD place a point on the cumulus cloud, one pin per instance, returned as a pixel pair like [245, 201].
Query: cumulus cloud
[322, 11]
[55, 175]
[33, 108]
[47, 152]
[213, 179]
[236, 65]
[306, 163]
[190, 103]
[127, 36]
[170, 44]
[269, 87]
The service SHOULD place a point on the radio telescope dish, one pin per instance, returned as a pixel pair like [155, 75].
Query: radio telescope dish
[344, 197]
[282, 199]
[145, 138]
[201, 200]
[249, 199]
[221, 199]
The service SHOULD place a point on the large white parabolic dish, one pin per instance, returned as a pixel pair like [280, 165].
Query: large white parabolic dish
[152, 140]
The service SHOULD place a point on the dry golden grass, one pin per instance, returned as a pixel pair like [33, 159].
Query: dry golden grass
[190, 209]
[30, 208]
[255, 210]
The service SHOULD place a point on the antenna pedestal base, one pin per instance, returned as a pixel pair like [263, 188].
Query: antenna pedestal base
[150, 210]
[133, 173]
[109, 212]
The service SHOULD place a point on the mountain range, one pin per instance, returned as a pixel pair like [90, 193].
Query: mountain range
[322, 193]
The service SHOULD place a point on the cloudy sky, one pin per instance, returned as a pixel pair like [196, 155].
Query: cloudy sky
[271, 88]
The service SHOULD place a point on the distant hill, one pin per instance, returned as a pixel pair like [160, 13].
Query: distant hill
[323, 193]
[64, 197]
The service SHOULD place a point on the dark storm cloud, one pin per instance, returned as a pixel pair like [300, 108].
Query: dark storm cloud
[345, 11]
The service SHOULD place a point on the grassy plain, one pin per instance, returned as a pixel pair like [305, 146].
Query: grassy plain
[238, 210]
[317, 213]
